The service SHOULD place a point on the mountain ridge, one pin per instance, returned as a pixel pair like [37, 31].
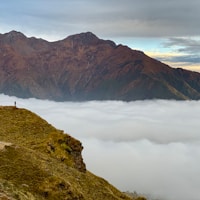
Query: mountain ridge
[83, 67]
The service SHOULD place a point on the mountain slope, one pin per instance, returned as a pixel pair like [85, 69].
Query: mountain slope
[38, 161]
[84, 67]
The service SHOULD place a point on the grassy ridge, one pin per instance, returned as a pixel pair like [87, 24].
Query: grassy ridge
[44, 163]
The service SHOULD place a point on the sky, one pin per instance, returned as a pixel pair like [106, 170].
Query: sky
[166, 30]
[151, 147]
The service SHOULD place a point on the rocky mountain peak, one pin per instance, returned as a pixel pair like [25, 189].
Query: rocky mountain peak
[88, 38]
[13, 35]
[84, 38]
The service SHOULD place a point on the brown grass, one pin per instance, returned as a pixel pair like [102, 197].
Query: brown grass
[44, 163]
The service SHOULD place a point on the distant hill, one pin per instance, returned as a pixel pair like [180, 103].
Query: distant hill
[39, 162]
[84, 67]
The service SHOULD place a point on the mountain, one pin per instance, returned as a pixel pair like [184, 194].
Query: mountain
[84, 67]
[39, 162]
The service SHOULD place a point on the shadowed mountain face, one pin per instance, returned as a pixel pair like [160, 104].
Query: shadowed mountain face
[84, 67]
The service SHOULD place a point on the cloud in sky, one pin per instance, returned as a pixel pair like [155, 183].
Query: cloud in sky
[184, 53]
[138, 18]
[186, 61]
[184, 45]
[151, 147]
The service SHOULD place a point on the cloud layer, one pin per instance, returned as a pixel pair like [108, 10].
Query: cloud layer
[114, 18]
[151, 147]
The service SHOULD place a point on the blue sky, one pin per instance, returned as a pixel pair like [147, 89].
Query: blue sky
[167, 30]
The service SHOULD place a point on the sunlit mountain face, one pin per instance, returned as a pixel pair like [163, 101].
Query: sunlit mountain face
[83, 67]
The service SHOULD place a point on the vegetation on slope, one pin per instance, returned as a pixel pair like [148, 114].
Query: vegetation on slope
[38, 161]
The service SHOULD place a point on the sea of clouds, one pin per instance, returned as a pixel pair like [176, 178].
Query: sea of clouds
[150, 147]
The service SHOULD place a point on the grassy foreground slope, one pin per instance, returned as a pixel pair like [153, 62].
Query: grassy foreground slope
[37, 161]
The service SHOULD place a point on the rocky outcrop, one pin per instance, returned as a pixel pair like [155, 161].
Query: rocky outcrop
[3, 145]
[84, 67]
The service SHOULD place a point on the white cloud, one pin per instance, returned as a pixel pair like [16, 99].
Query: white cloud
[105, 18]
[148, 146]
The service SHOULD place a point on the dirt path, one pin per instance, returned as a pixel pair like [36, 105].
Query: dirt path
[3, 144]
